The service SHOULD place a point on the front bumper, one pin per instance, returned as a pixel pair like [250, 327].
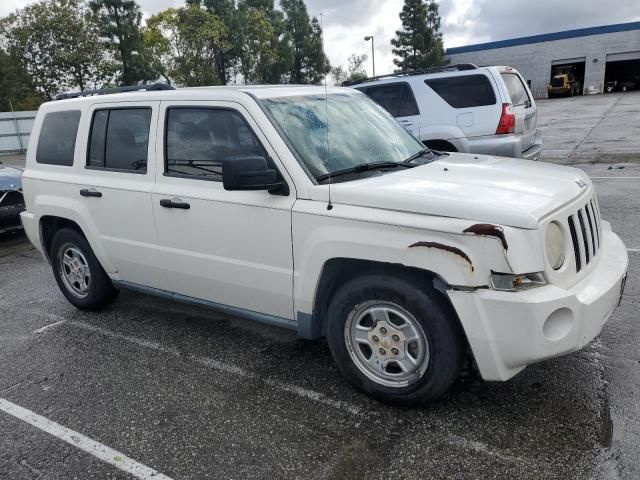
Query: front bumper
[509, 330]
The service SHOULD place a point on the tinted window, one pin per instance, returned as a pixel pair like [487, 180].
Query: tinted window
[57, 141]
[396, 98]
[119, 139]
[198, 139]
[516, 89]
[464, 92]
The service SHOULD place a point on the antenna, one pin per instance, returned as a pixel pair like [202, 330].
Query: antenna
[326, 109]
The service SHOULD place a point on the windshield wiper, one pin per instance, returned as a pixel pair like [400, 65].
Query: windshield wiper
[423, 153]
[363, 167]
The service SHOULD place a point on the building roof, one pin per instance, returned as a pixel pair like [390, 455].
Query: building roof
[547, 37]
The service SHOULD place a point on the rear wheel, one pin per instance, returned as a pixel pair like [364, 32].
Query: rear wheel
[78, 272]
[394, 341]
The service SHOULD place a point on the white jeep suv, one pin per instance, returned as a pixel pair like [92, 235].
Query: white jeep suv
[318, 212]
[462, 108]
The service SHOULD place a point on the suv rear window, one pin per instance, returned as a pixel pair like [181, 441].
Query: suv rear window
[395, 98]
[119, 139]
[57, 141]
[517, 92]
[464, 91]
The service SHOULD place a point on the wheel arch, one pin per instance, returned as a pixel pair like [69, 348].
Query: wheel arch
[336, 272]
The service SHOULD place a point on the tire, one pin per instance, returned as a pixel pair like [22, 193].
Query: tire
[431, 373]
[78, 272]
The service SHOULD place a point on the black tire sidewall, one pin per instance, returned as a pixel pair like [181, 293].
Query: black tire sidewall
[445, 338]
[101, 290]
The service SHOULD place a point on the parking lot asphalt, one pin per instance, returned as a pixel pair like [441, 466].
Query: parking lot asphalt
[194, 394]
[594, 128]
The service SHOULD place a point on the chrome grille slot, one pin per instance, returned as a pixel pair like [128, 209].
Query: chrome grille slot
[583, 230]
[591, 228]
[576, 245]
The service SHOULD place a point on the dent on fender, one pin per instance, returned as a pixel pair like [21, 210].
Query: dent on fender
[446, 248]
[488, 230]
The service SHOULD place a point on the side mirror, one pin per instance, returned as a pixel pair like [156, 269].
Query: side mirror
[251, 173]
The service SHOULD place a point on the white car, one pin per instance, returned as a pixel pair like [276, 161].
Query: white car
[462, 108]
[252, 201]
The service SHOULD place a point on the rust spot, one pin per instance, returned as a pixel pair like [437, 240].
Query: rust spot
[488, 230]
[446, 248]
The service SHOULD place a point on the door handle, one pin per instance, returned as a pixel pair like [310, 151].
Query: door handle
[86, 192]
[171, 204]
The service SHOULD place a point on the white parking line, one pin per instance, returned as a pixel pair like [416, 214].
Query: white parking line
[47, 327]
[224, 367]
[86, 444]
[633, 250]
[614, 178]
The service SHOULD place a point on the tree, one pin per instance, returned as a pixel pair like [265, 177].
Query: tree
[419, 43]
[16, 86]
[183, 44]
[228, 53]
[257, 51]
[355, 70]
[119, 22]
[309, 63]
[58, 43]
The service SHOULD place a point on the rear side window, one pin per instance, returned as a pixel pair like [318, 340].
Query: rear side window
[57, 141]
[198, 139]
[119, 139]
[464, 92]
[395, 98]
[517, 92]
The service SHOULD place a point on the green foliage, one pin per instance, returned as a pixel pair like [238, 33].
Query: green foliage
[355, 70]
[257, 50]
[119, 22]
[419, 43]
[304, 38]
[182, 44]
[16, 87]
[58, 43]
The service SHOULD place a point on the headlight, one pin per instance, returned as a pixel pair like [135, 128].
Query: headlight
[509, 282]
[555, 245]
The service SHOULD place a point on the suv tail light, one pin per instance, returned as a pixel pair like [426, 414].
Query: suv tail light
[507, 123]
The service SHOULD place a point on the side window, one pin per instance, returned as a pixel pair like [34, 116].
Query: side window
[57, 141]
[119, 139]
[396, 98]
[464, 91]
[198, 139]
[517, 92]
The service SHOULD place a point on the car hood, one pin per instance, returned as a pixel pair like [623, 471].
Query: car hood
[10, 178]
[486, 189]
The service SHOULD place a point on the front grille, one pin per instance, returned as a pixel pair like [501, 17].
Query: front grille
[11, 197]
[584, 226]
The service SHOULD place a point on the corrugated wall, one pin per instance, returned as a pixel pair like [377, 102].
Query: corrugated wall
[15, 128]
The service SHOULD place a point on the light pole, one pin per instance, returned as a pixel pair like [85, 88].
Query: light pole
[373, 52]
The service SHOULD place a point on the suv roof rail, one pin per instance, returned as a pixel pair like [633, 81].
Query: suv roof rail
[108, 91]
[459, 67]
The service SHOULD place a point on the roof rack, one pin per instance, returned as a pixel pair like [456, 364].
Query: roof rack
[459, 67]
[108, 91]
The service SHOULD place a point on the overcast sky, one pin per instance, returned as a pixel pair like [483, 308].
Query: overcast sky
[463, 21]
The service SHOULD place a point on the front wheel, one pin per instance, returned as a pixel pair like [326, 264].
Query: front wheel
[78, 272]
[393, 340]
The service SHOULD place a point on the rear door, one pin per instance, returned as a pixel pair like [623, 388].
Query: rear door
[523, 106]
[398, 99]
[115, 193]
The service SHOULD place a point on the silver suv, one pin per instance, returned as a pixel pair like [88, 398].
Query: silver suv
[462, 108]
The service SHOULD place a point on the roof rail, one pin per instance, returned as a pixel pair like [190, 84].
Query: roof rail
[108, 91]
[459, 67]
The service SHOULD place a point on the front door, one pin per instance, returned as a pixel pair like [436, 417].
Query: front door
[228, 247]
